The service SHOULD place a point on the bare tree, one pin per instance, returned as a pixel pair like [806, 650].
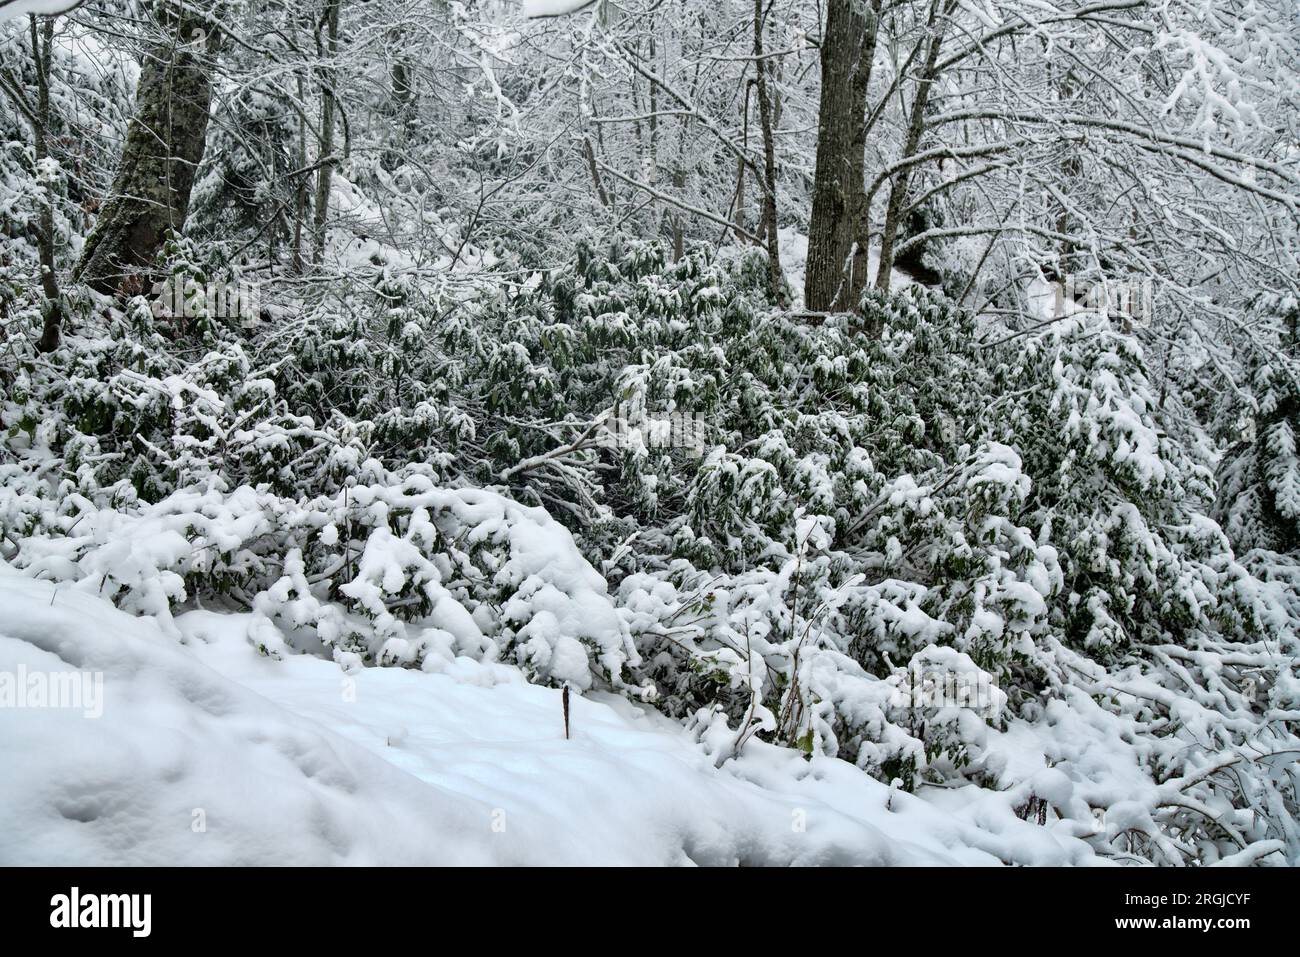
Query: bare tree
[37, 115]
[328, 103]
[935, 25]
[164, 143]
[769, 228]
[837, 248]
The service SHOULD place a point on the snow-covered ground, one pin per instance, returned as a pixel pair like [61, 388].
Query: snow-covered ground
[208, 752]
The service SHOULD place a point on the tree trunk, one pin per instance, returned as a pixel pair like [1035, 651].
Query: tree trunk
[589, 154]
[769, 224]
[300, 188]
[1071, 169]
[325, 174]
[402, 101]
[836, 270]
[42, 45]
[738, 204]
[915, 127]
[678, 219]
[164, 144]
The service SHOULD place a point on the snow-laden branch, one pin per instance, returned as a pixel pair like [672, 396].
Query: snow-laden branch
[539, 9]
[674, 201]
[1118, 126]
[17, 8]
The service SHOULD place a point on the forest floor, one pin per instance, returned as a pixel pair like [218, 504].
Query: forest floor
[213, 753]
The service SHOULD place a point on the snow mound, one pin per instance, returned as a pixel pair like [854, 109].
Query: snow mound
[185, 766]
[208, 752]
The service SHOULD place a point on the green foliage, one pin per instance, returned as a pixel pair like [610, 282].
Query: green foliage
[859, 504]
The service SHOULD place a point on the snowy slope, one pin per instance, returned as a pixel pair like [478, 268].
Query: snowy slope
[288, 762]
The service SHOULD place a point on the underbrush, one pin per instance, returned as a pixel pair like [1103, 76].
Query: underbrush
[633, 475]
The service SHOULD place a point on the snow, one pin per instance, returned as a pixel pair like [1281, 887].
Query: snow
[310, 588]
[208, 752]
[18, 8]
[554, 8]
[794, 259]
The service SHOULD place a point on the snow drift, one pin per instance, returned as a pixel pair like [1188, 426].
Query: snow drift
[210, 753]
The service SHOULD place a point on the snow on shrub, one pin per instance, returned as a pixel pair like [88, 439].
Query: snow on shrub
[873, 503]
[418, 576]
